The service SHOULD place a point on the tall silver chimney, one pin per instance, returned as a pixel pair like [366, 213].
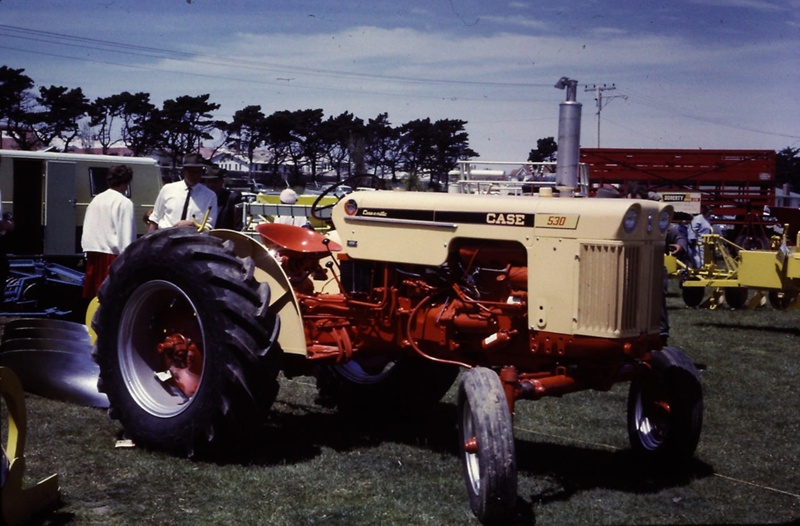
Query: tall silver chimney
[569, 139]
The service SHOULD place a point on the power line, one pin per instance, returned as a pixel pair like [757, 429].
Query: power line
[658, 104]
[107, 47]
[154, 52]
[282, 83]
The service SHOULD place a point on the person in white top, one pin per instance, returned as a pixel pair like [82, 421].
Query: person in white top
[183, 202]
[108, 227]
[700, 225]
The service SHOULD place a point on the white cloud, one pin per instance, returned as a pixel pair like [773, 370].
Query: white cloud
[368, 70]
[691, 81]
[517, 21]
[760, 5]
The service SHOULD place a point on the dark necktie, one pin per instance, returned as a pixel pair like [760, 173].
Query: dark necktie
[186, 203]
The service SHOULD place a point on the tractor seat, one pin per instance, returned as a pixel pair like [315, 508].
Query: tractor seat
[295, 238]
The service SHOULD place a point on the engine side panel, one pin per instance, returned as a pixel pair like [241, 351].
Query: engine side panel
[587, 274]
[418, 228]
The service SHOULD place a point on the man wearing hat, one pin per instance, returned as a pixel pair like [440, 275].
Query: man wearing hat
[228, 215]
[183, 202]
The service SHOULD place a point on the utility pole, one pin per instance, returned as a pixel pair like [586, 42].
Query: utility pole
[598, 97]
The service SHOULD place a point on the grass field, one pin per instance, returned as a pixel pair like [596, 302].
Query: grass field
[314, 467]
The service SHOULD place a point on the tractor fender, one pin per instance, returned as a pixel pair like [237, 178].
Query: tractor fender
[282, 298]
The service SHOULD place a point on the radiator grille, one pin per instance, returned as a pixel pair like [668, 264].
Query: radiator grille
[620, 289]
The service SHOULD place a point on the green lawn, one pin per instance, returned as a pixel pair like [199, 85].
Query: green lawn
[575, 467]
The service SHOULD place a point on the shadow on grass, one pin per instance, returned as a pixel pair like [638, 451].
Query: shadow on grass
[288, 437]
[794, 331]
[563, 470]
[569, 469]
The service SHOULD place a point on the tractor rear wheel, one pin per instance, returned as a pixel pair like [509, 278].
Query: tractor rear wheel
[403, 384]
[486, 432]
[665, 408]
[186, 347]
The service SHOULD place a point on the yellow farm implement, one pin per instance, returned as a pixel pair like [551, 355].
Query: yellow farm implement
[730, 272]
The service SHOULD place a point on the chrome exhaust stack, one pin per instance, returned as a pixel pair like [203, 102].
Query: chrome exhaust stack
[569, 139]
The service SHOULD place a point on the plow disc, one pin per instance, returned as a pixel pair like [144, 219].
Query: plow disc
[52, 358]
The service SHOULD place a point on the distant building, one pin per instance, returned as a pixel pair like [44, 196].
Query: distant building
[231, 161]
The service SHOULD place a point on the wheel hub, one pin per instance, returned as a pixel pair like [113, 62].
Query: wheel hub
[471, 446]
[181, 362]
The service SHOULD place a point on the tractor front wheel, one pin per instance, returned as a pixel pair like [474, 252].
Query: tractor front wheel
[665, 408]
[186, 347]
[486, 432]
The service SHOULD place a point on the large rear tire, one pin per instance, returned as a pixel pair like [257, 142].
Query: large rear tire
[486, 432]
[176, 288]
[665, 408]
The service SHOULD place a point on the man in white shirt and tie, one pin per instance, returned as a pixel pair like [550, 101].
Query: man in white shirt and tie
[187, 201]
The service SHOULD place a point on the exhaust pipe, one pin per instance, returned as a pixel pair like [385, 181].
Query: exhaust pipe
[569, 139]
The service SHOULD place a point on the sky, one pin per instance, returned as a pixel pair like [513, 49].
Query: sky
[680, 74]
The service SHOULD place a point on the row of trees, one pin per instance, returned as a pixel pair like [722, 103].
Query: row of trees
[787, 169]
[303, 139]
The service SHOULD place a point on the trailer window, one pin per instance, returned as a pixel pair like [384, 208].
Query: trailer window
[97, 180]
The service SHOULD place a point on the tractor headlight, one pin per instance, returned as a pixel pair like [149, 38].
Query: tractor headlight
[351, 207]
[663, 221]
[630, 219]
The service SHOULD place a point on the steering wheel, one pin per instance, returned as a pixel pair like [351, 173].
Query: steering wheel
[317, 209]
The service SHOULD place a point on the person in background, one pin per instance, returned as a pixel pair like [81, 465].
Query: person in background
[183, 202]
[675, 244]
[289, 197]
[6, 225]
[228, 215]
[700, 225]
[108, 227]
[607, 191]
[681, 221]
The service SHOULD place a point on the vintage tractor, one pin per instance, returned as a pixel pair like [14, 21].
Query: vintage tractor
[528, 296]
